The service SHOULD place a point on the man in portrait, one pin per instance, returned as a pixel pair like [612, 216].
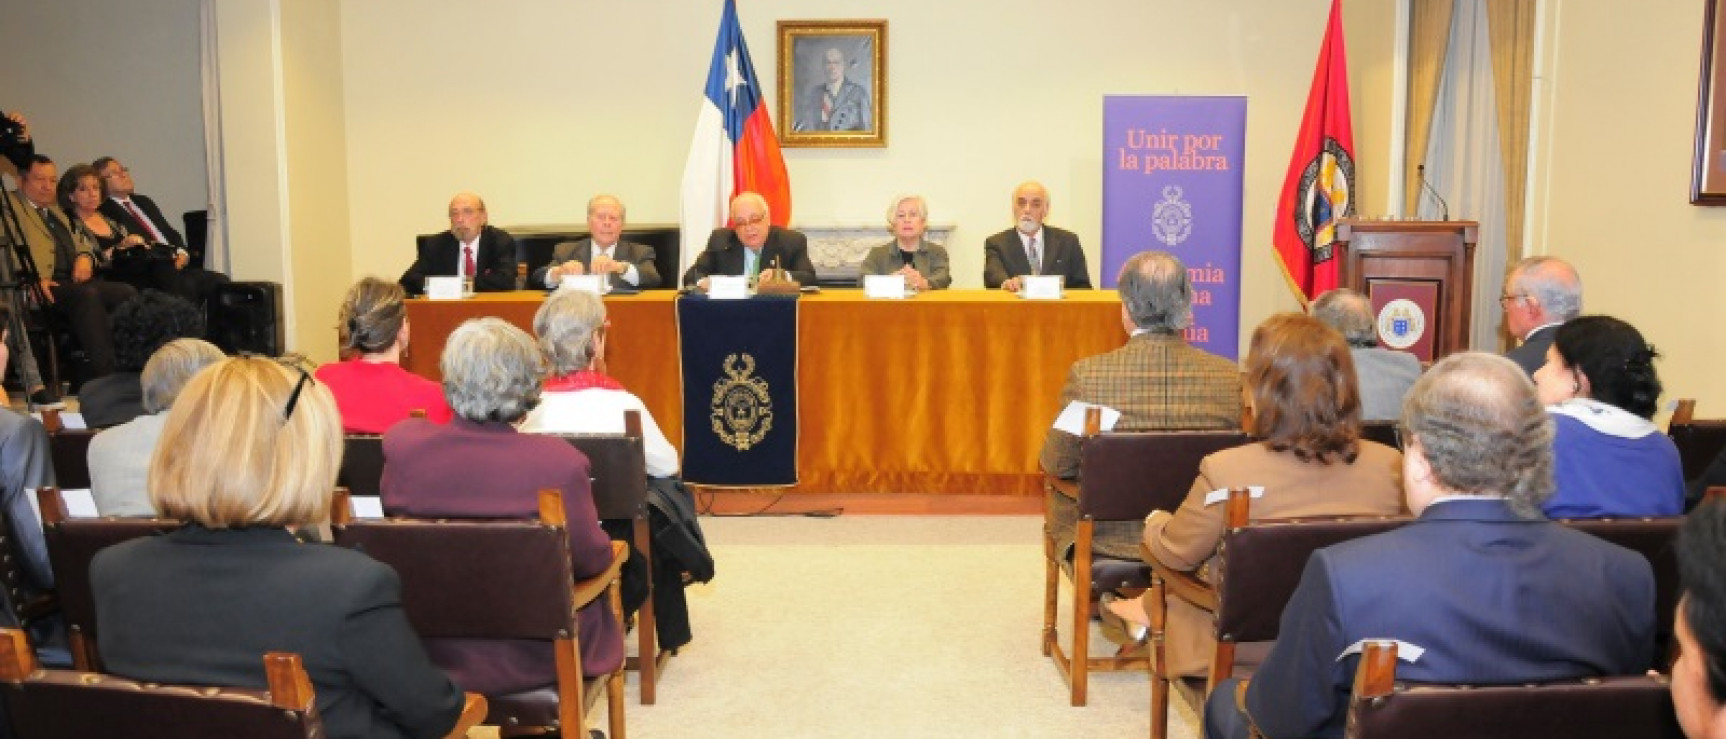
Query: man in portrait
[837, 103]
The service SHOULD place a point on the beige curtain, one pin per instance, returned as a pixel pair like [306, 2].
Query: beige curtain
[1429, 39]
[1510, 24]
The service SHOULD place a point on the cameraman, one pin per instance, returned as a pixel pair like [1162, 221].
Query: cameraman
[16, 145]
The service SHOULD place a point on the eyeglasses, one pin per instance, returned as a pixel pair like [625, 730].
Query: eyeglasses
[750, 221]
[296, 363]
[1400, 434]
[1510, 298]
[294, 397]
[116, 172]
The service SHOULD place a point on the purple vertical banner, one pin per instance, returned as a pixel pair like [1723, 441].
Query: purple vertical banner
[1172, 182]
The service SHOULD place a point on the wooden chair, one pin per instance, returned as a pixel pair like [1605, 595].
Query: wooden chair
[1260, 566]
[63, 704]
[1656, 539]
[501, 580]
[362, 469]
[1630, 707]
[70, 451]
[618, 464]
[72, 543]
[1122, 477]
[1698, 441]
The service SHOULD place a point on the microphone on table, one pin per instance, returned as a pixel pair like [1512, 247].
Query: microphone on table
[1420, 170]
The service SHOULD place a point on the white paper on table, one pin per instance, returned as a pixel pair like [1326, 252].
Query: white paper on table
[595, 284]
[1040, 287]
[74, 421]
[367, 506]
[443, 288]
[727, 287]
[1072, 418]
[884, 286]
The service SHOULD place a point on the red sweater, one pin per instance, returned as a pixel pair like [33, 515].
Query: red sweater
[373, 396]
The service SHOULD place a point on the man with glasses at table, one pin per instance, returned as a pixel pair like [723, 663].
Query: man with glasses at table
[752, 247]
[470, 249]
[1540, 294]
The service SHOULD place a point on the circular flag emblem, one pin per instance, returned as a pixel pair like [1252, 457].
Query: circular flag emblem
[1326, 195]
[1401, 323]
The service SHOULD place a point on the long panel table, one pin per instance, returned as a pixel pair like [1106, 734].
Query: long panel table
[948, 392]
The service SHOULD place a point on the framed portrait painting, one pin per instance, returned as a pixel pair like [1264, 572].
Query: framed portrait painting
[1708, 170]
[833, 83]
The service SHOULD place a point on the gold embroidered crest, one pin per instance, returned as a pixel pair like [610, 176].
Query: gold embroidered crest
[742, 406]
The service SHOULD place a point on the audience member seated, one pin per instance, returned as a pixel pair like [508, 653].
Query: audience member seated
[120, 254]
[119, 458]
[923, 264]
[579, 397]
[625, 264]
[470, 249]
[753, 247]
[139, 214]
[1031, 247]
[1699, 675]
[1385, 374]
[1609, 459]
[141, 326]
[1309, 461]
[1479, 588]
[25, 464]
[478, 466]
[1156, 381]
[256, 446]
[371, 388]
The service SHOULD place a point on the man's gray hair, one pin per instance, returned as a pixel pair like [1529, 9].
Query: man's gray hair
[171, 367]
[1348, 312]
[595, 201]
[893, 207]
[491, 371]
[566, 323]
[1553, 283]
[1157, 292]
[1482, 430]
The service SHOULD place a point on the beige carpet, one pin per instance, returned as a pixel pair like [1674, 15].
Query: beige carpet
[878, 626]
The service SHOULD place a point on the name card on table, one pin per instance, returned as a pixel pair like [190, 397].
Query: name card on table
[727, 287]
[884, 286]
[1040, 287]
[444, 288]
[595, 284]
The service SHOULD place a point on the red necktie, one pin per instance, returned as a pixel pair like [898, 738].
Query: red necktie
[467, 260]
[148, 226]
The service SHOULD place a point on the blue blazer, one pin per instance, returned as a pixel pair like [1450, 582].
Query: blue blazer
[1491, 597]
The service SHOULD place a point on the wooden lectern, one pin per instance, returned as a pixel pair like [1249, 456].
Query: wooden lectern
[1427, 263]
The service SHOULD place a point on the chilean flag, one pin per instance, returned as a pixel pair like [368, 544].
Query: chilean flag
[1319, 188]
[734, 148]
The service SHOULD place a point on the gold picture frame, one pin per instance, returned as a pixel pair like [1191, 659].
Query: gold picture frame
[818, 111]
[1708, 163]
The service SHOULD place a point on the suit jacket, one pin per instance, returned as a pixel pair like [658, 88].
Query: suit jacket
[111, 400]
[1531, 354]
[1491, 597]
[25, 465]
[441, 254]
[1385, 375]
[51, 240]
[930, 260]
[119, 464]
[1004, 258]
[1157, 382]
[640, 255]
[116, 211]
[1187, 540]
[850, 109]
[724, 255]
[474, 470]
[202, 606]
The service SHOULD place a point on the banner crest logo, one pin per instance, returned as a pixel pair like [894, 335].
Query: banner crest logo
[742, 405]
[1172, 219]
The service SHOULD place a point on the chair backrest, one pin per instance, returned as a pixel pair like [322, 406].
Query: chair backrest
[72, 543]
[1262, 563]
[1698, 441]
[1383, 432]
[1125, 476]
[63, 704]
[618, 464]
[496, 579]
[362, 470]
[1631, 707]
[1656, 539]
[70, 451]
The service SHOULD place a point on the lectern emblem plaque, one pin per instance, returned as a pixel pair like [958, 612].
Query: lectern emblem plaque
[742, 407]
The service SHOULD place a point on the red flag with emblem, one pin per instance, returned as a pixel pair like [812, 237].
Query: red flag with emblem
[1319, 188]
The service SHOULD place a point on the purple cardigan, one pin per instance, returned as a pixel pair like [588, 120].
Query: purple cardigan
[487, 470]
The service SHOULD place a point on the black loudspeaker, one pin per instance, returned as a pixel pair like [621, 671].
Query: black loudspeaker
[247, 317]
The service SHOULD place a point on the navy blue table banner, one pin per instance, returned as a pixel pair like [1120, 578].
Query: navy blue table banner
[739, 362]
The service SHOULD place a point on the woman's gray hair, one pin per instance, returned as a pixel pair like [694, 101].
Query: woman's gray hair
[372, 315]
[1157, 291]
[566, 323]
[171, 367]
[491, 371]
[893, 207]
[1482, 430]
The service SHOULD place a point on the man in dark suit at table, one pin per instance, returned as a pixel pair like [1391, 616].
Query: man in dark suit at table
[627, 263]
[1540, 294]
[752, 247]
[139, 214]
[1479, 588]
[1032, 248]
[470, 248]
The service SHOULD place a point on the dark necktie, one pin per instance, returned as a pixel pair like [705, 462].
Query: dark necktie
[1036, 258]
[138, 215]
